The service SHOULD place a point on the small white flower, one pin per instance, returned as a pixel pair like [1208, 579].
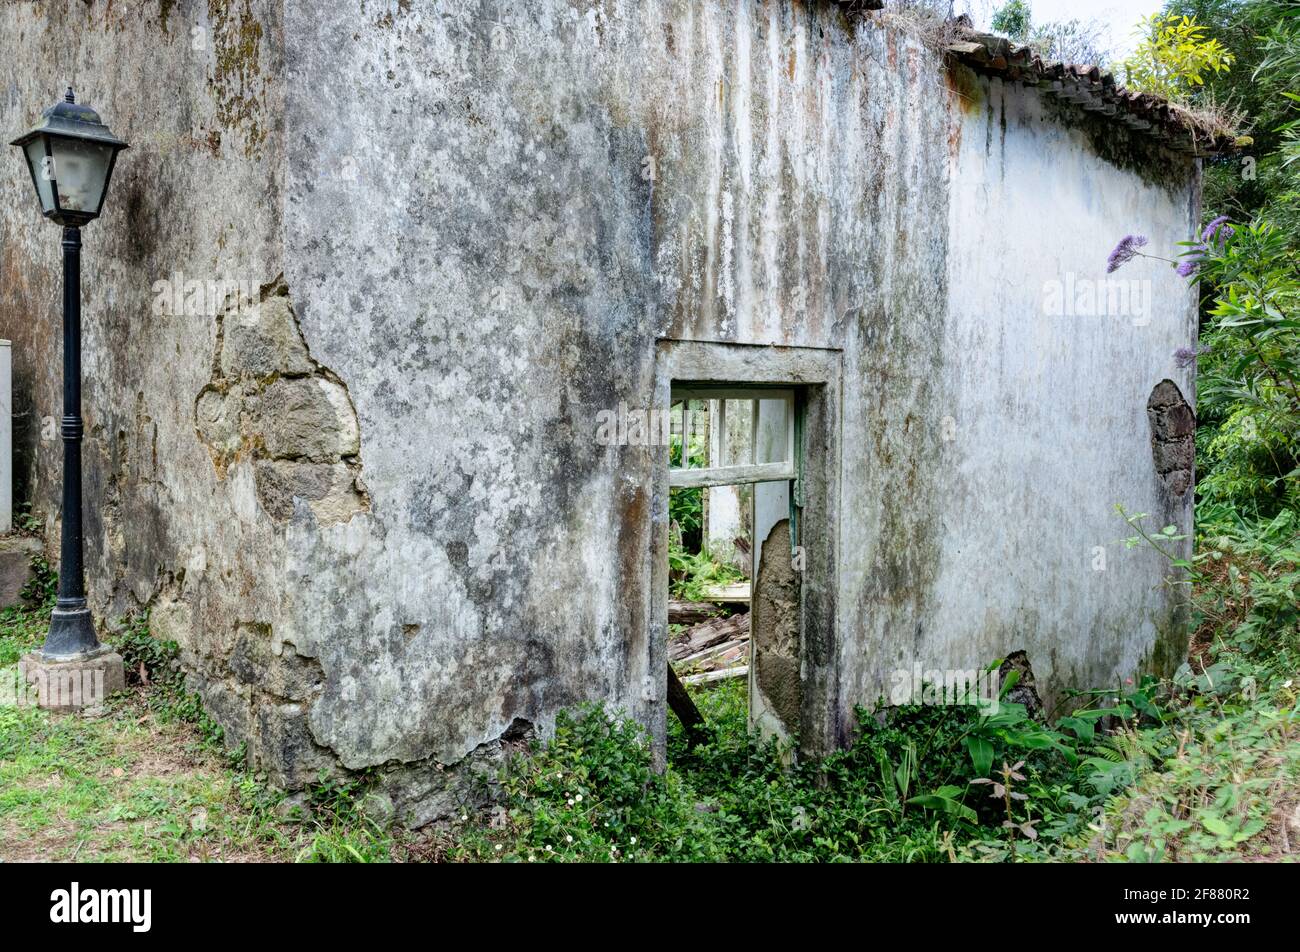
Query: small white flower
[498, 847]
[568, 839]
[570, 801]
[531, 857]
[464, 817]
[633, 841]
[578, 798]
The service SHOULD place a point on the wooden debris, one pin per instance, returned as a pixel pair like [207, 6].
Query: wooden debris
[680, 703]
[706, 634]
[692, 613]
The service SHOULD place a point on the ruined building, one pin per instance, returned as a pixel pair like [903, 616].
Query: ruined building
[371, 272]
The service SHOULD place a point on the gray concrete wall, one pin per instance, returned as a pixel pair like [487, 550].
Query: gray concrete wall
[462, 227]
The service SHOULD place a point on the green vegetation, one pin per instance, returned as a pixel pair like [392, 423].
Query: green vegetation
[1174, 56]
[693, 574]
[148, 778]
[1202, 767]
[1261, 88]
[1249, 381]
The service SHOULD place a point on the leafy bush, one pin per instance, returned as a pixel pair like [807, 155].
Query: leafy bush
[913, 787]
[1173, 57]
[1249, 382]
[590, 794]
[692, 575]
[43, 587]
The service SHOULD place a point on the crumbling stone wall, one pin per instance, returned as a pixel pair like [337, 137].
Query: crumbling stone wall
[271, 403]
[774, 633]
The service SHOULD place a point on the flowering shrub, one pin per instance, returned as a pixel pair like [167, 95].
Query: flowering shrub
[1248, 361]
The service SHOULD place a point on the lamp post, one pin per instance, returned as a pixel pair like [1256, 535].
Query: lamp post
[70, 155]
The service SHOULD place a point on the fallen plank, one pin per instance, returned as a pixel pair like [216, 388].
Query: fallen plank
[723, 656]
[724, 674]
[680, 703]
[732, 592]
[692, 613]
[714, 650]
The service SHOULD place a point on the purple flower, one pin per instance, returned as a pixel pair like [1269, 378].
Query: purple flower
[1125, 251]
[1186, 356]
[1214, 227]
[1188, 265]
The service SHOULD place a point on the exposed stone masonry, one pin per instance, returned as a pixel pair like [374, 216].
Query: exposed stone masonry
[271, 403]
[1173, 432]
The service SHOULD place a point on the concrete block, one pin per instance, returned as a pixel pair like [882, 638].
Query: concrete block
[71, 684]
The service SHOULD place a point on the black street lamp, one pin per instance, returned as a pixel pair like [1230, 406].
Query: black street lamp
[70, 155]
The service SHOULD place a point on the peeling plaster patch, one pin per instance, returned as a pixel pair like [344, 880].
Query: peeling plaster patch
[776, 630]
[1173, 432]
[270, 404]
[425, 792]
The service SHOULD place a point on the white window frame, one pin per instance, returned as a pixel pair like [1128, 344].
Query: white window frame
[686, 478]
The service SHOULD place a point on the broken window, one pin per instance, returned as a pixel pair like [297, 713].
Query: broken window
[766, 455]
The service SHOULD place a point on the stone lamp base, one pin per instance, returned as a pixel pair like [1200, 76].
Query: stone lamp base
[73, 682]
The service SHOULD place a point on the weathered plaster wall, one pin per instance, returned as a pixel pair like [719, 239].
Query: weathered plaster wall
[196, 88]
[541, 190]
[1043, 428]
[464, 225]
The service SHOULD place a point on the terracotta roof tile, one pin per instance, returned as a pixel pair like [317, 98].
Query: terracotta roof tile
[1083, 84]
[1091, 89]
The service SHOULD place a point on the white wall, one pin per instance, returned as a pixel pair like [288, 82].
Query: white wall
[1045, 430]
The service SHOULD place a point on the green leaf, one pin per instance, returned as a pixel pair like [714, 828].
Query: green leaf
[1216, 826]
[945, 804]
[981, 755]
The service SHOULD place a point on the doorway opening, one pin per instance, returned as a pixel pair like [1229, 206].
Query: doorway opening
[755, 430]
[733, 556]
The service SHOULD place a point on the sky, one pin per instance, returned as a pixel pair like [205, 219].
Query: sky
[1119, 16]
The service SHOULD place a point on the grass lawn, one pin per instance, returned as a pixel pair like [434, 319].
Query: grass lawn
[147, 779]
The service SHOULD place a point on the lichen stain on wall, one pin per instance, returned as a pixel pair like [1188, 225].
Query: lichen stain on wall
[238, 83]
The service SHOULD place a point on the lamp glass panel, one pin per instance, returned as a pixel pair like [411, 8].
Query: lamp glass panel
[42, 171]
[80, 172]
